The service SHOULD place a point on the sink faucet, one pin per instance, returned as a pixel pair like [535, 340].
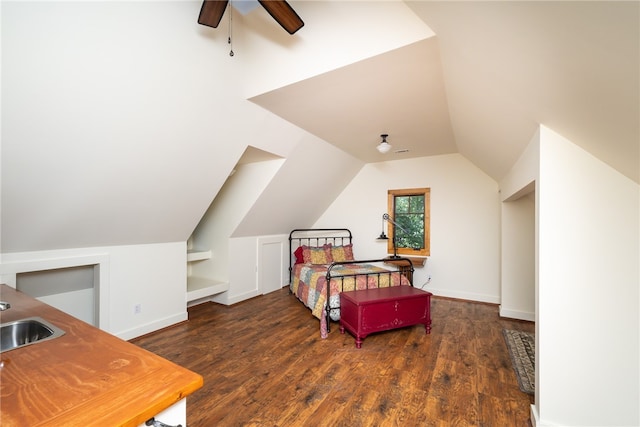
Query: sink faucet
[4, 306]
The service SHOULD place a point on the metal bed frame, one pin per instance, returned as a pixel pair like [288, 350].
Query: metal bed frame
[316, 237]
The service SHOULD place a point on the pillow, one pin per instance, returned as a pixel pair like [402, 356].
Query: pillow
[317, 255]
[342, 253]
[298, 255]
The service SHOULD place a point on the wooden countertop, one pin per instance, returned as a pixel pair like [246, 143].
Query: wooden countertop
[85, 377]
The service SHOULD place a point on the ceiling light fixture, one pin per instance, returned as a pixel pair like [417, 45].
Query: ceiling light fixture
[384, 146]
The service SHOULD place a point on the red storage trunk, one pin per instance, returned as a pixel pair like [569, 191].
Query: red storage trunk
[366, 311]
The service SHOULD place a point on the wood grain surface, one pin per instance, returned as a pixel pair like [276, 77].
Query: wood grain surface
[85, 377]
[264, 364]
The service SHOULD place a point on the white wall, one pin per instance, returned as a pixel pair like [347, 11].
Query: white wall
[152, 276]
[290, 198]
[519, 235]
[72, 290]
[517, 290]
[465, 221]
[118, 109]
[225, 213]
[587, 263]
[330, 39]
[257, 265]
[587, 323]
[242, 268]
[112, 121]
[260, 200]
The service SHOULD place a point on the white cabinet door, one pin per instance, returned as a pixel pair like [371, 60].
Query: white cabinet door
[271, 264]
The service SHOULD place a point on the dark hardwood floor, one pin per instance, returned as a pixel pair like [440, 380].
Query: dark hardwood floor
[264, 364]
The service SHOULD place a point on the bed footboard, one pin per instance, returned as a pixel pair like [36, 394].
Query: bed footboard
[402, 270]
[340, 275]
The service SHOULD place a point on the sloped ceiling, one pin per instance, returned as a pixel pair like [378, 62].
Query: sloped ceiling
[122, 120]
[114, 131]
[481, 86]
[400, 93]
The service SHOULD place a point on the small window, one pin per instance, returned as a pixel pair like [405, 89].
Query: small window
[409, 208]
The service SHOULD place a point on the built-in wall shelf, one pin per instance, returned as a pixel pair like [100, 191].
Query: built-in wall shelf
[417, 262]
[198, 287]
[198, 255]
[202, 287]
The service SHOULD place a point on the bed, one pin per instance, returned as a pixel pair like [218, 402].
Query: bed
[325, 255]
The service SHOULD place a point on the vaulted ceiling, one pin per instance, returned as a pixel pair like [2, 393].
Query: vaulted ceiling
[121, 121]
[491, 74]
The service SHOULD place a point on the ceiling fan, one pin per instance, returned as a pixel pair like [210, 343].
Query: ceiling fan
[212, 11]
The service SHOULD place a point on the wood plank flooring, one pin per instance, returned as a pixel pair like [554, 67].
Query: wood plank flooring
[264, 364]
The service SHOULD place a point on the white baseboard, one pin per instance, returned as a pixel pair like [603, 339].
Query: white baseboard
[448, 293]
[536, 422]
[534, 416]
[147, 328]
[516, 314]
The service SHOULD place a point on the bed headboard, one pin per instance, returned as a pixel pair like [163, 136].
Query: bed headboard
[316, 237]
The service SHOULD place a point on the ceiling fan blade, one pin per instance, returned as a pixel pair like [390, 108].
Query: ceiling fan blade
[284, 14]
[211, 12]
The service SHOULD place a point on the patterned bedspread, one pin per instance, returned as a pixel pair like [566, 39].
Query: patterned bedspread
[309, 285]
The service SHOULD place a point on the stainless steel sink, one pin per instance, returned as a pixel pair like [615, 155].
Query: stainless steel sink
[27, 331]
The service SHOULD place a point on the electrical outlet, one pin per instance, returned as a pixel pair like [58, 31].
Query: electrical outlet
[137, 309]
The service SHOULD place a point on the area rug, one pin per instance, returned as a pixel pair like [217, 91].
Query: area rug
[522, 348]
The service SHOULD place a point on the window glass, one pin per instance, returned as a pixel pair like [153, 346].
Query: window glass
[409, 208]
